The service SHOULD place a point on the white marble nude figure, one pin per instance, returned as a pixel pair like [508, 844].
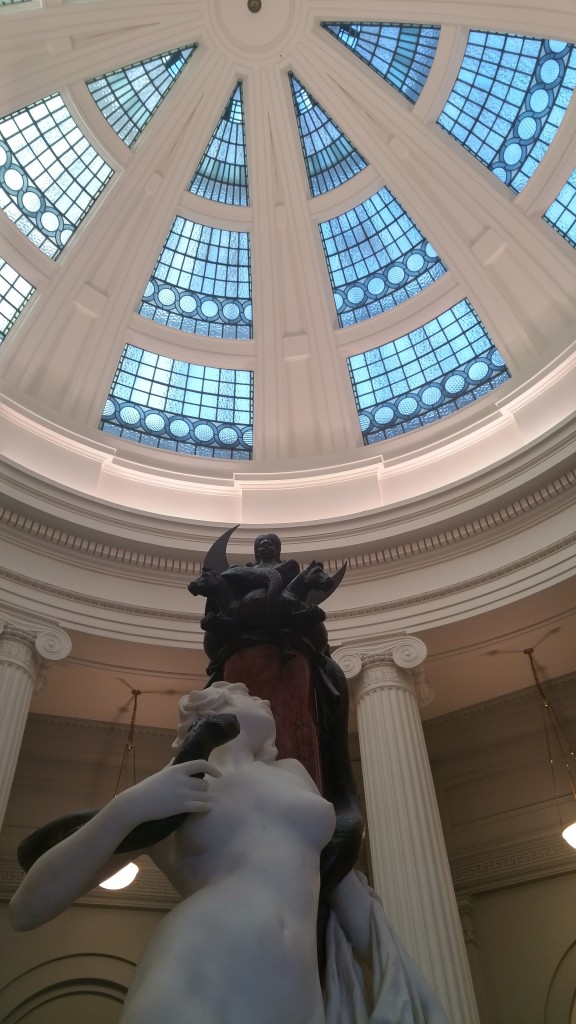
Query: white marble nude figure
[241, 946]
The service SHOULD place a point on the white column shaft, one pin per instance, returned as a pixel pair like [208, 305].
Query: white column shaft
[23, 650]
[409, 859]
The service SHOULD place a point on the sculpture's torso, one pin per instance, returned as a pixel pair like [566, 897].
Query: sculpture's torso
[241, 947]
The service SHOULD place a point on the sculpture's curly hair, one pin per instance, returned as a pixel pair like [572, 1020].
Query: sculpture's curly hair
[220, 696]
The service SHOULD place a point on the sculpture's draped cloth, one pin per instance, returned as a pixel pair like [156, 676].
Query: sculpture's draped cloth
[397, 993]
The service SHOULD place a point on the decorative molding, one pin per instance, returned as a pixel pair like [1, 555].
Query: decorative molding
[512, 862]
[411, 601]
[149, 891]
[139, 558]
[464, 585]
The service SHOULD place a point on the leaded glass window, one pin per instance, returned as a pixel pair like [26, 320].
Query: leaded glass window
[201, 282]
[14, 294]
[129, 96]
[330, 157]
[49, 173]
[377, 258]
[561, 214]
[425, 375]
[508, 101]
[180, 407]
[401, 54]
[222, 174]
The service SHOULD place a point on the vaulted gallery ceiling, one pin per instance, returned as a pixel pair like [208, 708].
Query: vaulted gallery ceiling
[276, 267]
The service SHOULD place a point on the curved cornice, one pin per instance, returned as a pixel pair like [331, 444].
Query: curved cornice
[79, 544]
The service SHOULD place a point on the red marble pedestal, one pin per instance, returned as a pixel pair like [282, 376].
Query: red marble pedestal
[287, 684]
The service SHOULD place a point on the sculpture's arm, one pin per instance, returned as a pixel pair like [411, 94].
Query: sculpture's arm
[82, 860]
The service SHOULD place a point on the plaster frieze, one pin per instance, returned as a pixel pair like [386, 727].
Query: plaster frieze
[373, 560]
[84, 609]
[512, 862]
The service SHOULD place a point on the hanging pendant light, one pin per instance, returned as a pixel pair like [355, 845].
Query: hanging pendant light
[556, 739]
[121, 879]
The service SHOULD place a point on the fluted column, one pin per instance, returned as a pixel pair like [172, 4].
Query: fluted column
[411, 871]
[26, 649]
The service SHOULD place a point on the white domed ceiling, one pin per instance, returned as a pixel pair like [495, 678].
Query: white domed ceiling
[259, 262]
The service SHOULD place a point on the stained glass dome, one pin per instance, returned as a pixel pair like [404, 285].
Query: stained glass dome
[282, 237]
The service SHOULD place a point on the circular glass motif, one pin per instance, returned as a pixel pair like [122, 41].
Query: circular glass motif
[385, 414]
[407, 406]
[395, 275]
[209, 309]
[149, 290]
[203, 432]
[513, 154]
[227, 435]
[478, 371]
[31, 202]
[49, 221]
[550, 71]
[527, 127]
[179, 428]
[154, 422]
[128, 414]
[188, 303]
[355, 295]
[231, 311]
[455, 383]
[415, 262]
[247, 437]
[364, 423]
[431, 396]
[338, 301]
[376, 286]
[4, 155]
[539, 101]
[109, 408]
[13, 179]
[166, 296]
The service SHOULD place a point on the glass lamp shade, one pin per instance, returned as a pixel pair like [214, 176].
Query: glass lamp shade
[569, 834]
[124, 877]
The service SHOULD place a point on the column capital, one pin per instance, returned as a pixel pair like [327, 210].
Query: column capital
[368, 662]
[404, 650]
[31, 645]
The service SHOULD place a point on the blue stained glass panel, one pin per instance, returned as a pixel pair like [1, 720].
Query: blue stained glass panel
[49, 173]
[129, 96]
[14, 294]
[222, 174]
[425, 375]
[180, 407]
[401, 54]
[561, 214]
[201, 282]
[330, 157]
[377, 258]
[508, 100]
